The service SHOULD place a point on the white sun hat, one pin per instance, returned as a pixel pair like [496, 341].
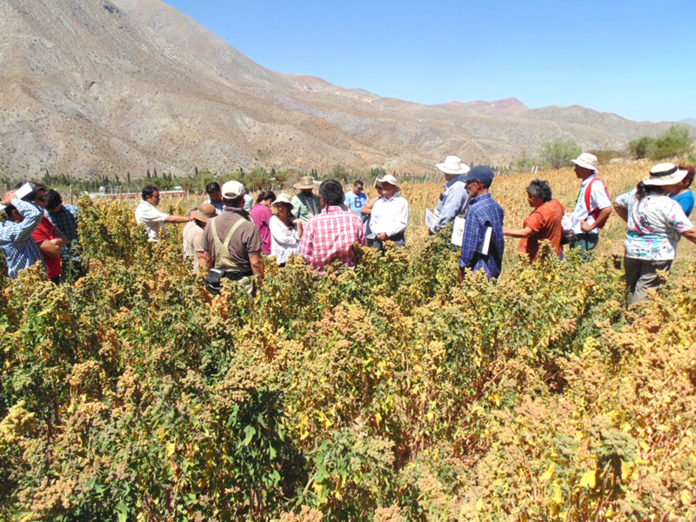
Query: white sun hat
[453, 165]
[664, 174]
[388, 178]
[232, 189]
[586, 160]
[283, 198]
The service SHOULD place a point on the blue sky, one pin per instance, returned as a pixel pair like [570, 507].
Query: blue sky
[637, 59]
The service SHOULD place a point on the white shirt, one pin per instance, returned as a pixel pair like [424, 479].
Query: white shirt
[598, 200]
[153, 219]
[389, 216]
[284, 240]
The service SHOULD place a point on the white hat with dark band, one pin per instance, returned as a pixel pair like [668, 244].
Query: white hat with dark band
[664, 174]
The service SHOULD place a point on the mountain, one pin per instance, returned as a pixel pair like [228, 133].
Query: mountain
[108, 86]
[690, 121]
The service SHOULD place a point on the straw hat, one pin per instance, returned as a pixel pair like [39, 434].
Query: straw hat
[306, 182]
[453, 165]
[204, 212]
[388, 178]
[587, 161]
[283, 198]
[664, 174]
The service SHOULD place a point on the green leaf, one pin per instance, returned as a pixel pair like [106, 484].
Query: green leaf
[249, 431]
[122, 511]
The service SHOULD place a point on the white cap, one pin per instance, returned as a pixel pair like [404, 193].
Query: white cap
[232, 189]
[283, 198]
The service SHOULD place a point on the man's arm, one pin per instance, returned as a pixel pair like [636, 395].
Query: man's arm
[599, 222]
[518, 232]
[18, 232]
[256, 262]
[177, 219]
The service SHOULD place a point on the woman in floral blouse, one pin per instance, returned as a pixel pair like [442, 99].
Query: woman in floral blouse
[654, 224]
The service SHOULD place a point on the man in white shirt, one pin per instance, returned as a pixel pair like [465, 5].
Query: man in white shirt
[592, 206]
[389, 215]
[147, 214]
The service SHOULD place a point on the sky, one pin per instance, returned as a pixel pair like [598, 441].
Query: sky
[636, 59]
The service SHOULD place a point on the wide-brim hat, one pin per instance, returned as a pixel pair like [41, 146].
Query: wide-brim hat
[283, 198]
[204, 213]
[453, 165]
[305, 183]
[665, 174]
[587, 161]
[388, 178]
[232, 189]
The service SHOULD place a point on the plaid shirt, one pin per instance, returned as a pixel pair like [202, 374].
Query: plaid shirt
[17, 245]
[330, 236]
[483, 212]
[66, 221]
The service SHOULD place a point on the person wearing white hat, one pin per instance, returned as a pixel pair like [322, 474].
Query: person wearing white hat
[232, 243]
[654, 224]
[592, 206]
[18, 247]
[306, 203]
[389, 215]
[454, 199]
[286, 230]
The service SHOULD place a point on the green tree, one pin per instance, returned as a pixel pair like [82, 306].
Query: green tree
[676, 141]
[641, 147]
[558, 153]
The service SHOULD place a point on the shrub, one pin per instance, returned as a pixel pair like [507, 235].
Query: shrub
[558, 153]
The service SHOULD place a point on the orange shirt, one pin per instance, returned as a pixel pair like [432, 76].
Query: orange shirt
[545, 223]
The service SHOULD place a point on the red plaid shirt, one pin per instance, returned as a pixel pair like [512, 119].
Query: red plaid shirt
[329, 236]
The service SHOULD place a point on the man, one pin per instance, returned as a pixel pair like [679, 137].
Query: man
[147, 214]
[592, 206]
[193, 244]
[48, 237]
[214, 196]
[331, 235]
[306, 204]
[232, 243]
[18, 247]
[483, 243]
[454, 199]
[389, 215]
[356, 199]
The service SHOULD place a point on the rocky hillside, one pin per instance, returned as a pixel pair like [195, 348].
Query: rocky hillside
[106, 86]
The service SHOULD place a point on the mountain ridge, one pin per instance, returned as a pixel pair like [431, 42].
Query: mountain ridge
[125, 85]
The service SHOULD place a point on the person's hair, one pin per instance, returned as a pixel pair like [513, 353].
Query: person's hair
[148, 191]
[8, 211]
[212, 187]
[332, 192]
[358, 182]
[233, 202]
[689, 178]
[643, 190]
[539, 189]
[52, 199]
[265, 194]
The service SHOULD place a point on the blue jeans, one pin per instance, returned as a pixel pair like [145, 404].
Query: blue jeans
[585, 242]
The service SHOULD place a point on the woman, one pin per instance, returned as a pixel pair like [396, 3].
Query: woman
[654, 223]
[543, 223]
[261, 216]
[684, 196]
[286, 231]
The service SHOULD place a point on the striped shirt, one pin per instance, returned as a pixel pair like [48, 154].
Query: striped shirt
[18, 247]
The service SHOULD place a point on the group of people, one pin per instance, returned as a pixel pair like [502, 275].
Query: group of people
[38, 228]
[228, 234]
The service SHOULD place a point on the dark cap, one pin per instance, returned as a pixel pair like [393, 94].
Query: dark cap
[481, 173]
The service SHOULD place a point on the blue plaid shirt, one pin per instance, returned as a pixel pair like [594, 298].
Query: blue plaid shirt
[66, 221]
[17, 245]
[483, 212]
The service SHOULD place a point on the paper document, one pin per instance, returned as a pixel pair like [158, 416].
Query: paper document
[24, 190]
[486, 243]
[458, 231]
[431, 218]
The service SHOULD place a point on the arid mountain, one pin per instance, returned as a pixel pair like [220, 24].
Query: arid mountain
[106, 86]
